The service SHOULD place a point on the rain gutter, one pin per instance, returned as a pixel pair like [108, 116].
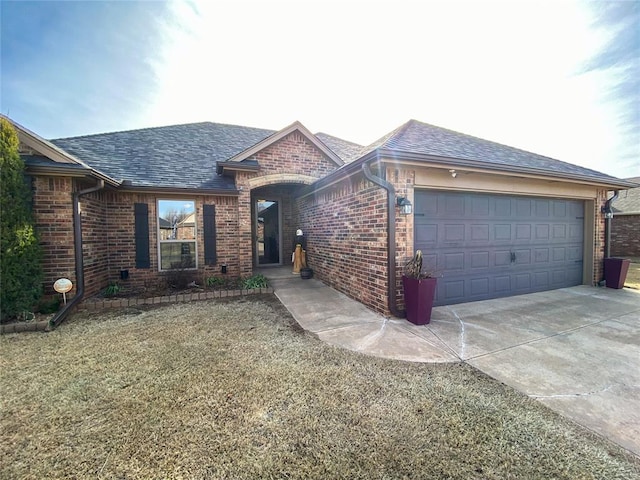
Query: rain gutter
[59, 317]
[391, 239]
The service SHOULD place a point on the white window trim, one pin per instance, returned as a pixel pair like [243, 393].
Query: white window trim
[160, 242]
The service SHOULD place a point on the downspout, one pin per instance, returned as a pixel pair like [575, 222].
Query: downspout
[608, 214]
[391, 238]
[77, 246]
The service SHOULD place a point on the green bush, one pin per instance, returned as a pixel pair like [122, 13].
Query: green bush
[256, 281]
[215, 281]
[112, 290]
[21, 254]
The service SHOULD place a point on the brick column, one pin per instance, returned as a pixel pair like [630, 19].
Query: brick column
[600, 240]
[244, 239]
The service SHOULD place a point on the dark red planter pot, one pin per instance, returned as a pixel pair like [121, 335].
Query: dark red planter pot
[615, 271]
[418, 298]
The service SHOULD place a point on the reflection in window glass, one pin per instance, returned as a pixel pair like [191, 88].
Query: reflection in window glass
[177, 234]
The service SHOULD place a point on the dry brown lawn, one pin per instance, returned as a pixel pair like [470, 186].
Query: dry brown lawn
[233, 389]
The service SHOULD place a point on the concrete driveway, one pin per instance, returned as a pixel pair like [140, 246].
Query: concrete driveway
[577, 350]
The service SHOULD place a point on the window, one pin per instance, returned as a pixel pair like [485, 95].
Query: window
[177, 234]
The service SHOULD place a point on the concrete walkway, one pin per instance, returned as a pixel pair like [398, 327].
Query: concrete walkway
[577, 350]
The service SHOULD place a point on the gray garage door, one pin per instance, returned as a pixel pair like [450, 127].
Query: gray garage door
[488, 246]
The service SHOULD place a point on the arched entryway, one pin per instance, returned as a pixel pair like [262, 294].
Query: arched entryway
[274, 217]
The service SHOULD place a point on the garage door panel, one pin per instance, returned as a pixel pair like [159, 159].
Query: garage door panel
[574, 253]
[454, 261]
[452, 290]
[479, 259]
[426, 234]
[560, 232]
[453, 233]
[576, 233]
[502, 232]
[559, 209]
[487, 246]
[480, 207]
[523, 232]
[502, 284]
[542, 231]
[523, 207]
[541, 256]
[541, 280]
[480, 233]
[454, 206]
[522, 282]
[480, 286]
[502, 207]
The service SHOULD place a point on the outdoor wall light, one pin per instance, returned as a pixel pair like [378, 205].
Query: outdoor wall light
[405, 206]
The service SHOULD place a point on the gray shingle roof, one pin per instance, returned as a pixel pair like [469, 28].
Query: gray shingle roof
[629, 200]
[347, 151]
[421, 138]
[178, 156]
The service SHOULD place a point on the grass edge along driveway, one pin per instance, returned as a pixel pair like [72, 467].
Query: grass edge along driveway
[234, 389]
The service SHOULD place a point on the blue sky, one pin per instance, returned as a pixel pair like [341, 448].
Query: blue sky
[559, 78]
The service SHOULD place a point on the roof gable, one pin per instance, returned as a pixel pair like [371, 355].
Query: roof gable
[296, 126]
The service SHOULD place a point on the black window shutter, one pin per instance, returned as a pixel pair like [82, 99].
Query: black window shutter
[142, 235]
[209, 227]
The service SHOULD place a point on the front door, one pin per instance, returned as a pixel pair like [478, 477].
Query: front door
[268, 235]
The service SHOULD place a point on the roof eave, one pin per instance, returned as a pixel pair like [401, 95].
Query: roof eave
[53, 152]
[67, 170]
[228, 166]
[385, 154]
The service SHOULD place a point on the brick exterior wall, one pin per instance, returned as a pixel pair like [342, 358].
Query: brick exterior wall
[53, 212]
[346, 227]
[293, 154]
[108, 221]
[403, 180]
[108, 235]
[121, 242]
[94, 240]
[625, 236]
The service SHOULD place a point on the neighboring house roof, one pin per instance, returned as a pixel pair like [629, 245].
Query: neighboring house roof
[178, 156]
[189, 220]
[421, 139]
[628, 202]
